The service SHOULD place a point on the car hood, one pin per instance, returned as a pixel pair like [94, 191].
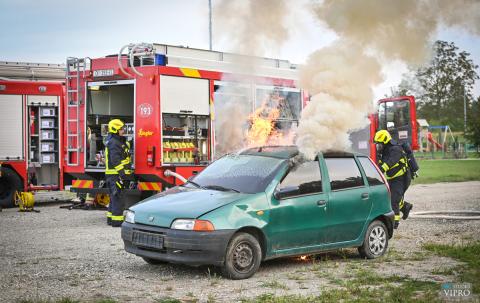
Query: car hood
[181, 203]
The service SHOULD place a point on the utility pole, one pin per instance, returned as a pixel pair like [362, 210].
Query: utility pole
[210, 22]
[465, 118]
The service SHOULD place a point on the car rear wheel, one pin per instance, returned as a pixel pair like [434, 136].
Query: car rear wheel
[376, 241]
[243, 257]
[10, 183]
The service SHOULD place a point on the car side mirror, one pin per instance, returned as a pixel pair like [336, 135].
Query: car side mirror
[286, 192]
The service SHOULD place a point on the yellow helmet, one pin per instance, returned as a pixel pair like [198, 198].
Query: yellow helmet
[115, 125]
[382, 136]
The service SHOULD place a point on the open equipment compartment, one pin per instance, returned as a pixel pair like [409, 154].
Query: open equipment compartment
[106, 101]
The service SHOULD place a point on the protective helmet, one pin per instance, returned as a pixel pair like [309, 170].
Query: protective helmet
[382, 136]
[115, 125]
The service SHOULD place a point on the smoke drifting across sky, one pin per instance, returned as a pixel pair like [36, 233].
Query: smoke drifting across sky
[341, 76]
[370, 32]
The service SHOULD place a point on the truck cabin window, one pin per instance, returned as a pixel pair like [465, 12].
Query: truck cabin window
[394, 116]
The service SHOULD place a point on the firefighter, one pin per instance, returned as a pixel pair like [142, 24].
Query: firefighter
[117, 169]
[393, 163]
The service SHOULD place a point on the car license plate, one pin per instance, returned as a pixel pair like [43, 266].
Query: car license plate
[149, 240]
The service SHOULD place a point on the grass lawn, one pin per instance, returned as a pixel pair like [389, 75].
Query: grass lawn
[470, 271]
[433, 171]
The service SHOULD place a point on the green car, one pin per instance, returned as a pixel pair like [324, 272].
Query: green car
[264, 203]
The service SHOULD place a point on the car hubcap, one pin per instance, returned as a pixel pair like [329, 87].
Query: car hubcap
[243, 257]
[377, 240]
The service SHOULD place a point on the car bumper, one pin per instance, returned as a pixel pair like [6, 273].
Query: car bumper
[176, 246]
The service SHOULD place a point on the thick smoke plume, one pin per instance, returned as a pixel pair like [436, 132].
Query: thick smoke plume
[339, 79]
[341, 76]
[253, 27]
[397, 29]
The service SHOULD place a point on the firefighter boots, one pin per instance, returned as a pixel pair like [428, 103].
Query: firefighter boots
[116, 223]
[407, 207]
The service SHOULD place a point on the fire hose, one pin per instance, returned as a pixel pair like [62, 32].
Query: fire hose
[447, 215]
[145, 49]
[169, 173]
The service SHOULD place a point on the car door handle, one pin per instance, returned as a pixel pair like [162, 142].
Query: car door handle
[364, 196]
[321, 203]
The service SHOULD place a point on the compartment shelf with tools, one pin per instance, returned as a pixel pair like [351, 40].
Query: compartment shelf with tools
[185, 139]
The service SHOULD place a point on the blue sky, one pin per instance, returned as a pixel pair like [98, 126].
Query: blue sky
[50, 30]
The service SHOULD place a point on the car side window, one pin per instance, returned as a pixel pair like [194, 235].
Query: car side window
[373, 176]
[305, 178]
[344, 173]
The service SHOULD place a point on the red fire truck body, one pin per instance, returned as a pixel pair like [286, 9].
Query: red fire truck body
[29, 139]
[168, 105]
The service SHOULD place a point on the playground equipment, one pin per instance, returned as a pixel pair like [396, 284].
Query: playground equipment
[433, 141]
[445, 134]
[437, 139]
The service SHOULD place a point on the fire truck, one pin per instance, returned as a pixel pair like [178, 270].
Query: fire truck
[31, 95]
[168, 96]
[173, 100]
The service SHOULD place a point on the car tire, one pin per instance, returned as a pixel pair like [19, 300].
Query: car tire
[153, 261]
[375, 243]
[243, 257]
[10, 183]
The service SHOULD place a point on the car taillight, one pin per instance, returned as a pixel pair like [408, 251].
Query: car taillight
[151, 156]
[382, 175]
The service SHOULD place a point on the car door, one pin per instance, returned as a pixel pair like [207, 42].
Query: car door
[298, 215]
[349, 199]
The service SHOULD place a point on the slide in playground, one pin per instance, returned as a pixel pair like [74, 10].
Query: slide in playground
[430, 138]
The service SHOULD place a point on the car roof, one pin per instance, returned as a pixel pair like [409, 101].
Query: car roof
[280, 152]
[290, 151]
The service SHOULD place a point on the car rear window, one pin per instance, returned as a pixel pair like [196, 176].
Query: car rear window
[306, 176]
[343, 173]
[373, 176]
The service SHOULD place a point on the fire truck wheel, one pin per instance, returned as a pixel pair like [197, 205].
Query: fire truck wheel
[10, 182]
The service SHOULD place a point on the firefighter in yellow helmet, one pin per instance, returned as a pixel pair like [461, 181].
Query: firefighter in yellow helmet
[117, 169]
[394, 164]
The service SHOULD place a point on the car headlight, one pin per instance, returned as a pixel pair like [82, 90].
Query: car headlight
[192, 224]
[129, 216]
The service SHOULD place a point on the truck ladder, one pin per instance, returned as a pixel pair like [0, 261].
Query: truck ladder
[76, 68]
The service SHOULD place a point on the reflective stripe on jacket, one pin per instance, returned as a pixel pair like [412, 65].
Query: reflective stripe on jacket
[394, 161]
[117, 156]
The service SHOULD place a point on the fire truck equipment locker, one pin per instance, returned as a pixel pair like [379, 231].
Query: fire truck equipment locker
[107, 100]
[11, 127]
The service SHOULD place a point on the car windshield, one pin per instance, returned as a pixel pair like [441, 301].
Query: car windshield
[241, 173]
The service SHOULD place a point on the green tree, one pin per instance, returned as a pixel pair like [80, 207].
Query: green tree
[473, 120]
[449, 76]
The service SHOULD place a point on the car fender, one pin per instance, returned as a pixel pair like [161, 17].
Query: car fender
[249, 211]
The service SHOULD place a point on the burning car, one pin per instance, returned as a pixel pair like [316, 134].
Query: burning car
[264, 203]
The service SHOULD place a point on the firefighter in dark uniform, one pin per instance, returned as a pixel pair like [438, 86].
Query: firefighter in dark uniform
[394, 164]
[117, 169]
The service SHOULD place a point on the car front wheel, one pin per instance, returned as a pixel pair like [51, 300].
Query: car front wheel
[376, 241]
[243, 257]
